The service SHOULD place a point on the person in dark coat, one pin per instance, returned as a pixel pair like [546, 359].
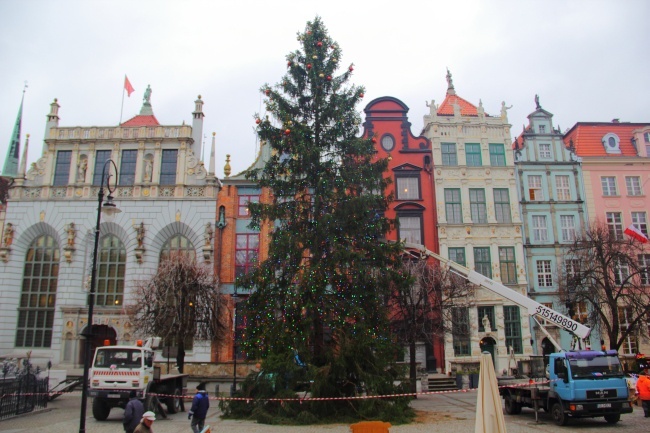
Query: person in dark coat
[132, 413]
[199, 410]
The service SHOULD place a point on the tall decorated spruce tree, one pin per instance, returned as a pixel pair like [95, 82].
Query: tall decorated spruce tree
[321, 294]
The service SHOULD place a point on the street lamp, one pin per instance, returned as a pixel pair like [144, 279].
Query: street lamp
[109, 208]
[234, 343]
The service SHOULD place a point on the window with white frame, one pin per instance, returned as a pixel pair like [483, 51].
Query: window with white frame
[535, 187]
[640, 221]
[540, 230]
[609, 185]
[544, 151]
[633, 184]
[542, 129]
[410, 228]
[562, 189]
[580, 312]
[621, 272]
[545, 322]
[644, 266]
[615, 224]
[568, 228]
[544, 273]
[630, 344]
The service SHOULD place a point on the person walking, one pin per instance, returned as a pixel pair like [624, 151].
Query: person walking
[145, 425]
[199, 410]
[643, 389]
[132, 413]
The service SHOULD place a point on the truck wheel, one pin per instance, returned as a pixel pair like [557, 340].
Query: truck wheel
[557, 412]
[175, 403]
[613, 418]
[100, 409]
[512, 407]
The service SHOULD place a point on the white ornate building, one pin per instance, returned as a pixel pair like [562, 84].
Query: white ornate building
[479, 226]
[167, 199]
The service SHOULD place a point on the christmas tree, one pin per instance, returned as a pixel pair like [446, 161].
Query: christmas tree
[321, 294]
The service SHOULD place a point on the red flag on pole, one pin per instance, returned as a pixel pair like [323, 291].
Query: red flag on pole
[127, 86]
[635, 233]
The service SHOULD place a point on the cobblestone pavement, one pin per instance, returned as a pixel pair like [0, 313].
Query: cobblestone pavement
[446, 413]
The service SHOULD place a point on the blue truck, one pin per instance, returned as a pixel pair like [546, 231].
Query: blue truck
[581, 384]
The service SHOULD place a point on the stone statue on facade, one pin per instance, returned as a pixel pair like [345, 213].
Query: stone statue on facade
[487, 327]
[139, 234]
[71, 234]
[504, 110]
[81, 170]
[148, 169]
[208, 234]
[8, 236]
[537, 106]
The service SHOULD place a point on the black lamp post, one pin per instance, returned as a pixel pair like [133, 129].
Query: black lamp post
[108, 208]
[234, 343]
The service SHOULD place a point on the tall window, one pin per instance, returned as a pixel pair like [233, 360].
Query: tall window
[127, 167]
[410, 228]
[457, 255]
[473, 155]
[630, 345]
[246, 252]
[177, 244]
[482, 261]
[580, 312]
[101, 156]
[477, 205]
[633, 184]
[562, 189]
[644, 264]
[615, 224]
[453, 208]
[168, 167]
[408, 187]
[508, 265]
[540, 231]
[544, 273]
[640, 221]
[460, 331]
[609, 185]
[535, 187]
[449, 156]
[502, 205]
[62, 168]
[243, 201]
[512, 323]
[111, 265]
[568, 228]
[38, 295]
[497, 155]
[489, 312]
[621, 272]
[542, 129]
[544, 151]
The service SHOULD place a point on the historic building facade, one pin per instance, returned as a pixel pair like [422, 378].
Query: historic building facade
[479, 226]
[616, 170]
[167, 199]
[410, 169]
[553, 210]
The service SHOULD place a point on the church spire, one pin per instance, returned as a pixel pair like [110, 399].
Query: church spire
[10, 168]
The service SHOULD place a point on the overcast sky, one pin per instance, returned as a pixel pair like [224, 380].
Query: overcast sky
[587, 60]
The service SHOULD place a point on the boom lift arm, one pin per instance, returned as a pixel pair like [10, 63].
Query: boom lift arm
[535, 309]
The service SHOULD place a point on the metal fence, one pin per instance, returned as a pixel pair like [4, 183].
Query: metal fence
[22, 394]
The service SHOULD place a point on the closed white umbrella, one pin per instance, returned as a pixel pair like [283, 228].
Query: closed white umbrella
[489, 414]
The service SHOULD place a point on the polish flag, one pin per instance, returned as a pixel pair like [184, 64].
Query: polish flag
[635, 233]
[127, 86]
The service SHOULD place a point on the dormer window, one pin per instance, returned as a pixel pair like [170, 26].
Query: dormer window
[542, 129]
[611, 143]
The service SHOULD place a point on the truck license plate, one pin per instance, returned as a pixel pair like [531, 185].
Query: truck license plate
[118, 396]
[603, 405]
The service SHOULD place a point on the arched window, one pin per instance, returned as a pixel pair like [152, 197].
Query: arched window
[38, 296]
[111, 265]
[177, 244]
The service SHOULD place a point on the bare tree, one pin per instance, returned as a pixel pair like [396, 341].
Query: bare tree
[610, 275]
[181, 302]
[422, 311]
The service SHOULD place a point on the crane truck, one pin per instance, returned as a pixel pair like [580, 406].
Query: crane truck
[581, 384]
[118, 370]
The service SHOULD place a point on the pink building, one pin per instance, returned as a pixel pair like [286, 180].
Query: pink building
[616, 169]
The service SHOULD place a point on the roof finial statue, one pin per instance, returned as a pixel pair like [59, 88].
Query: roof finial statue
[146, 109]
[450, 84]
[147, 95]
[537, 106]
